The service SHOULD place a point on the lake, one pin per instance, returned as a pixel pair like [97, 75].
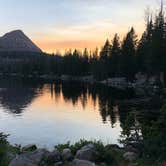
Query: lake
[49, 113]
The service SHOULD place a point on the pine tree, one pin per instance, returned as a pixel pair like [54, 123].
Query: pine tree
[85, 61]
[128, 52]
[115, 58]
[158, 41]
[144, 49]
[106, 51]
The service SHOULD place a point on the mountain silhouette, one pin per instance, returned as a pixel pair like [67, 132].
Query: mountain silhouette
[17, 41]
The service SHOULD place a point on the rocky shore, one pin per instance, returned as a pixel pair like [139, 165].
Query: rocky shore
[83, 153]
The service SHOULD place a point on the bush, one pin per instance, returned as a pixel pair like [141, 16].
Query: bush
[3, 148]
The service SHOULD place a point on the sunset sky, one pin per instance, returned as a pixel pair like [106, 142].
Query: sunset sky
[63, 24]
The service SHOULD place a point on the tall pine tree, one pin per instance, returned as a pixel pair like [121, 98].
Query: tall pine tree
[128, 52]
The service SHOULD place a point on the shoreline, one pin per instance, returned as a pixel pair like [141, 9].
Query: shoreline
[114, 82]
[82, 153]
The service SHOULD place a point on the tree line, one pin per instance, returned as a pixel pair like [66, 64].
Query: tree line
[115, 59]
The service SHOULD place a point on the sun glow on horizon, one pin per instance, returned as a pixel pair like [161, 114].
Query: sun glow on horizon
[61, 25]
[83, 38]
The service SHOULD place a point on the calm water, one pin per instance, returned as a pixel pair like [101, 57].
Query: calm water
[51, 113]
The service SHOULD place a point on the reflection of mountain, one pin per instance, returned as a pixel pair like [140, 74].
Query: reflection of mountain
[15, 96]
[16, 100]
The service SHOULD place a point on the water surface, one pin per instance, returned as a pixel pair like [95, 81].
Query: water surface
[51, 113]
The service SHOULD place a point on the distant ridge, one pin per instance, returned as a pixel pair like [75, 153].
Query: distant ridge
[17, 41]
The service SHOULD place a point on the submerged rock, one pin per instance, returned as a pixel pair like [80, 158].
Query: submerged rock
[78, 162]
[87, 152]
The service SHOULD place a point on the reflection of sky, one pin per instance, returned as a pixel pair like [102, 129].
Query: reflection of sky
[60, 24]
[48, 121]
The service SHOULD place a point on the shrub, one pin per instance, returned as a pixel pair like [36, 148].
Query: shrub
[3, 148]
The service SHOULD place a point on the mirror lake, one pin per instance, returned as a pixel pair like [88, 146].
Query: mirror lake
[51, 113]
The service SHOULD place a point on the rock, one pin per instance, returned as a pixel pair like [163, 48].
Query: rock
[58, 163]
[87, 152]
[29, 158]
[21, 161]
[130, 156]
[54, 156]
[66, 154]
[30, 147]
[78, 162]
[37, 155]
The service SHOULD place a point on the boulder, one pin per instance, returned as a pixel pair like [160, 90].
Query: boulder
[66, 154]
[37, 155]
[54, 156]
[22, 161]
[78, 162]
[30, 147]
[29, 158]
[87, 152]
[130, 156]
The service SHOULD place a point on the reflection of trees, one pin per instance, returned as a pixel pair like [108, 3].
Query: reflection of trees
[106, 97]
[75, 92]
[107, 101]
[57, 90]
[16, 95]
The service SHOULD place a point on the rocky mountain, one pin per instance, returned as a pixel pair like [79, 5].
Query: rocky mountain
[17, 41]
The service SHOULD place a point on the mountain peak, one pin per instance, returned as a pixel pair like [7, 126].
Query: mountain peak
[17, 41]
[16, 31]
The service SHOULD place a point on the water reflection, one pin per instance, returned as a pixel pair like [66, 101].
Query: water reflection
[17, 95]
[57, 108]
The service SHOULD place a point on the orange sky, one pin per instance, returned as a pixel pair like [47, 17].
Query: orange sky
[62, 24]
[84, 37]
